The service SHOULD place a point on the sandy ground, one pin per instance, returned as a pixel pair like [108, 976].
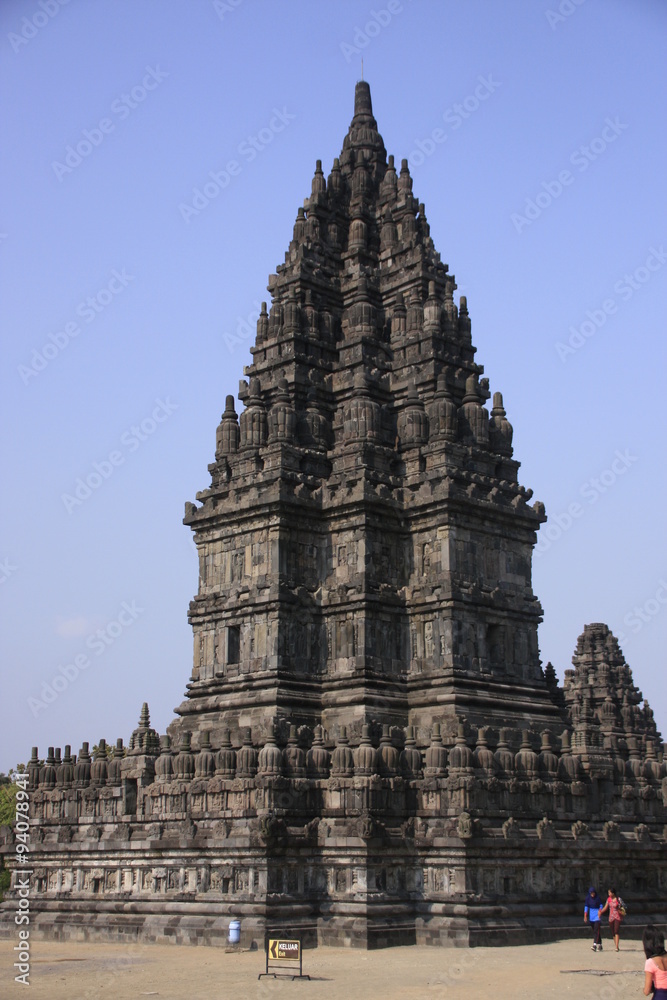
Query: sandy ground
[122, 972]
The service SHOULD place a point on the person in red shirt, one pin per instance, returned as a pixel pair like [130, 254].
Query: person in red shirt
[655, 969]
[613, 905]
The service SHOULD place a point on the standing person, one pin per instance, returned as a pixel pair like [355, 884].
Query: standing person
[655, 970]
[592, 908]
[613, 905]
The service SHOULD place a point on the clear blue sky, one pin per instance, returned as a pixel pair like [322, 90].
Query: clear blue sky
[133, 301]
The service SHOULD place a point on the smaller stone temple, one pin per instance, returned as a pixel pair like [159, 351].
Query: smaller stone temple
[369, 751]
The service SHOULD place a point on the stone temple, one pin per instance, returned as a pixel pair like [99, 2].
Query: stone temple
[369, 751]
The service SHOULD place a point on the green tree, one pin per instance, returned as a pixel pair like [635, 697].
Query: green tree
[8, 795]
[5, 878]
[7, 803]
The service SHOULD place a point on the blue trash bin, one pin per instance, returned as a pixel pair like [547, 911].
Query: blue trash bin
[234, 931]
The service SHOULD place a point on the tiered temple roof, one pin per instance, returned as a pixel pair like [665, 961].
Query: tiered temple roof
[365, 545]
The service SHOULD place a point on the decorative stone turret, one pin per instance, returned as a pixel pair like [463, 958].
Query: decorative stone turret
[526, 763]
[410, 762]
[282, 419]
[114, 769]
[164, 764]
[252, 423]
[362, 413]
[319, 185]
[389, 232]
[47, 774]
[262, 325]
[144, 739]
[294, 756]
[205, 759]
[365, 757]
[318, 758]
[548, 761]
[98, 768]
[474, 418]
[316, 422]
[65, 773]
[483, 756]
[82, 768]
[442, 413]
[569, 767]
[464, 326]
[227, 436]
[246, 758]
[270, 756]
[412, 421]
[388, 755]
[33, 770]
[342, 759]
[503, 756]
[500, 429]
[225, 759]
[460, 756]
[435, 762]
[184, 762]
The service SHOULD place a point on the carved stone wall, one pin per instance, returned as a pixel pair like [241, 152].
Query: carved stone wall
[453, 845]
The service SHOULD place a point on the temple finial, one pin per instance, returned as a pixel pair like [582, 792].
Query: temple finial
[362, 99]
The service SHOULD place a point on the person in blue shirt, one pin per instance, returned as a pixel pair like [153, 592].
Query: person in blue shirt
[592, 908]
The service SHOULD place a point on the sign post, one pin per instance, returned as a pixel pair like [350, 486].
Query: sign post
[283, 957]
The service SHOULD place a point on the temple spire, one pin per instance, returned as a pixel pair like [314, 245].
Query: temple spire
[363, 143]
[362, 99]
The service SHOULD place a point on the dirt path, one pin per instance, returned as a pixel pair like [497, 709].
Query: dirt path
[124, 972]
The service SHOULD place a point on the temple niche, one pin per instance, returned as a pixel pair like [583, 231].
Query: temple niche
[369, 750]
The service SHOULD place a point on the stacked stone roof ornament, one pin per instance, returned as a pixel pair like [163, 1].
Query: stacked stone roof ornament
[369, 751]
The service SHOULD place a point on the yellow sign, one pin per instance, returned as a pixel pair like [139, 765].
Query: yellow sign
[289, 951]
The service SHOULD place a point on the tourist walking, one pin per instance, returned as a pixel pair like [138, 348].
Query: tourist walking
[616, 909]
[655, 969]
[592, 908]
